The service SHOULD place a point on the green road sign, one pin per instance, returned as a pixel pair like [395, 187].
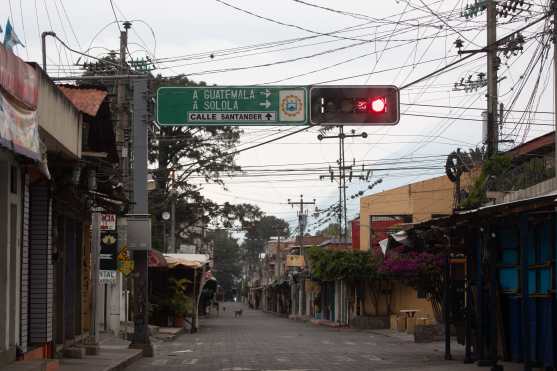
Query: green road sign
[232, 105]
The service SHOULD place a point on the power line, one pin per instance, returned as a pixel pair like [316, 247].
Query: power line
[331, 34]
[232, 69]
[470, 108]
[70, 23]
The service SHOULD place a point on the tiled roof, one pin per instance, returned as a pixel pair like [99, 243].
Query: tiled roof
[87, 100]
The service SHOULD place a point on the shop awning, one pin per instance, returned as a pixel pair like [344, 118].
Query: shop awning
[194, 261]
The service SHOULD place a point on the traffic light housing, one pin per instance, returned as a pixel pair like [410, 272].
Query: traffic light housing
[354, 105]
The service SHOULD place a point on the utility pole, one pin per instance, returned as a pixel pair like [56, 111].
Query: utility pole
[140, 207]
[509, 46]
[492, 67]
[342, 168]
[123, 109]
[93, 340]
[302, 219]
[554, 5]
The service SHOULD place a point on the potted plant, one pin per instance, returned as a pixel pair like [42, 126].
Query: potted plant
[180, 304]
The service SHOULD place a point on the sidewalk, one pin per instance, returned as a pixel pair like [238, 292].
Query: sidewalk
[114, 355]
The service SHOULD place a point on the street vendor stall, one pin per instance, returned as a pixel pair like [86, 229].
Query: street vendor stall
[176, 282]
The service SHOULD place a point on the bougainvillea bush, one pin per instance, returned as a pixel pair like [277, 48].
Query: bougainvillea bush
[422, 270]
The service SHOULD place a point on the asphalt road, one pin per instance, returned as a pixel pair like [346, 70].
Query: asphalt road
[262, 341]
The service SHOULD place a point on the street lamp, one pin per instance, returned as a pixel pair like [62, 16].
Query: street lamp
[165, 217]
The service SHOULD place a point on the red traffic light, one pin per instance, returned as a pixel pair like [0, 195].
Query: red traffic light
[354, 105]
[378, 105]
[370, 105]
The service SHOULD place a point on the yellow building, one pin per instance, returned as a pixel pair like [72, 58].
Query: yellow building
[382, 212]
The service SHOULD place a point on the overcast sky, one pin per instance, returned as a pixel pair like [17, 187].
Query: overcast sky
[390, 42]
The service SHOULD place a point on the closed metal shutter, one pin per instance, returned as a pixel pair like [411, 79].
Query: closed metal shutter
[41, 275]
[24, 298]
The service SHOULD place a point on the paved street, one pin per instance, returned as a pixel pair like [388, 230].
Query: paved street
[262, 341]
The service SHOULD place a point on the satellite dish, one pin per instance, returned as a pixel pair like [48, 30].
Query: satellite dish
[166, 215]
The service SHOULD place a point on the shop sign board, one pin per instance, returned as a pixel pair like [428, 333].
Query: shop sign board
[109, 250]
[108, 222]
[107, 277]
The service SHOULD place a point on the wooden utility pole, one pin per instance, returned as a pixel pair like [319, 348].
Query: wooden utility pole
[342, 225]
[492, 66]
[122, 129]
[302, 219]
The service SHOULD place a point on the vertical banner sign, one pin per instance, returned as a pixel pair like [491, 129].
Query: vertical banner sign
[109, 249]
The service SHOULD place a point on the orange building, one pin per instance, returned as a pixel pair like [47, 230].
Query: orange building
[389, 211]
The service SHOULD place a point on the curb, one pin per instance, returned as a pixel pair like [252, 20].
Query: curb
[326, 323]
[126, 362]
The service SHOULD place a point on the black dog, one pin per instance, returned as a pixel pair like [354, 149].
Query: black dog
[237, 313]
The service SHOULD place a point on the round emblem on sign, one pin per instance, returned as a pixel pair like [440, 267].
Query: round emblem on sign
[291, 105]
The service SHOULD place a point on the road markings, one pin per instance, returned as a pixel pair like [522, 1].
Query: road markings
[326, 342]
[184, 351]
[349, 343]
[190, 362]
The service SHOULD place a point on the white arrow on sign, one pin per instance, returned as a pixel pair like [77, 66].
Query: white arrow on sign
[266, 93]
[265, 104]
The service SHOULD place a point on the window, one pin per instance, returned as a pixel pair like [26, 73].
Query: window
[540, 256]
[508, 259]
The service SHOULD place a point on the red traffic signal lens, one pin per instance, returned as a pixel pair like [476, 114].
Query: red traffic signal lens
[378, 105]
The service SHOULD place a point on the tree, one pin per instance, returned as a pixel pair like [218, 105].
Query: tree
[227, 261]
[261, 231]
[185, 155]
[331, 230]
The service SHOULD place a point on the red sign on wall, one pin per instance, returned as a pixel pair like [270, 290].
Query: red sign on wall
[18, 79]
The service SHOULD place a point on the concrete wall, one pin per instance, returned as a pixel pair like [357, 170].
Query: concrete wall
[419, 200]
[403, 297]
[60, 123]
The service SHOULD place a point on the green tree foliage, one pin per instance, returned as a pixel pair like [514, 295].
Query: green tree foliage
[331, 265]
[492, 169]
[185, 155]
[331, 230]
[227, 264]
[261, 231]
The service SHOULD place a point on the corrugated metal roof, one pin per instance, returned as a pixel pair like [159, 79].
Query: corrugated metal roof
[86, 100]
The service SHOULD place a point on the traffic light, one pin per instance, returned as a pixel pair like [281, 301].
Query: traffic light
[354, 105]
